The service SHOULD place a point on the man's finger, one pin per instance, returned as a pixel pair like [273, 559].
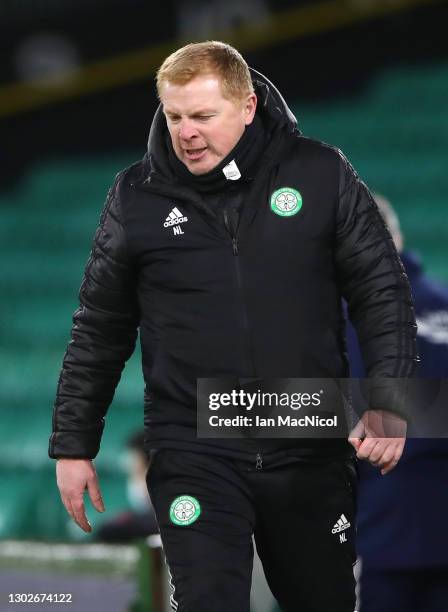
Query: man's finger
[388, 456]
[355, 442]
[367, 446]
[80, 515]
[377, 454]
[397, 452]
[68, 506]
[388, 467]
[95, 495]
[83, 524]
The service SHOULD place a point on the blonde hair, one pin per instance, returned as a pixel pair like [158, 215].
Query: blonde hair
[208, 58]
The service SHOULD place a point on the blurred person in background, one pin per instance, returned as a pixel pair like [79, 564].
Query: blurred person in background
[230, 246]
[140, 521]
[402, 533]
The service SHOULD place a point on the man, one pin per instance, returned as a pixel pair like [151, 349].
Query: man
[230, 245]
[408, 509]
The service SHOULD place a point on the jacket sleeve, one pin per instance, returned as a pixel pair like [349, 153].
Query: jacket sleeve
[377, 291]
[103, 337]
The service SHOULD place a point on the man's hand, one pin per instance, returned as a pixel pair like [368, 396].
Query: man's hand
[379, 437]
[74, 476]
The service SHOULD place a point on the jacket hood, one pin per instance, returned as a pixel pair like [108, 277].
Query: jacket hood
[271, 105]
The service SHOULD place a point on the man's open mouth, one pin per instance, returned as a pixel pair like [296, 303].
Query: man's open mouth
[195, 153]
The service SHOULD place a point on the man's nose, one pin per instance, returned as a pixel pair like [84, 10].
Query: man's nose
[187, 130]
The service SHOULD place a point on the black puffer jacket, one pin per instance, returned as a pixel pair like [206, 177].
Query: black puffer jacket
[263, 303]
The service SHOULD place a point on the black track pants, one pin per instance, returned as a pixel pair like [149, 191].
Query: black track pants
[302, 516]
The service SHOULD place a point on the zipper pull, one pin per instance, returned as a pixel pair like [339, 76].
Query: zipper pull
[259, 462]
[235, 246]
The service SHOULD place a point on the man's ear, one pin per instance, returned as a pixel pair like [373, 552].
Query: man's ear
[250, 107]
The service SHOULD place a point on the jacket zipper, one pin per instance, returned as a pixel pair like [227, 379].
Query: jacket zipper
[234, 238]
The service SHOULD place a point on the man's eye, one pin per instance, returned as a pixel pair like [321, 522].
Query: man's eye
[204, 117]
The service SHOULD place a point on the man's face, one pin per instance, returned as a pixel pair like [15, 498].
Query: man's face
[204, 126]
